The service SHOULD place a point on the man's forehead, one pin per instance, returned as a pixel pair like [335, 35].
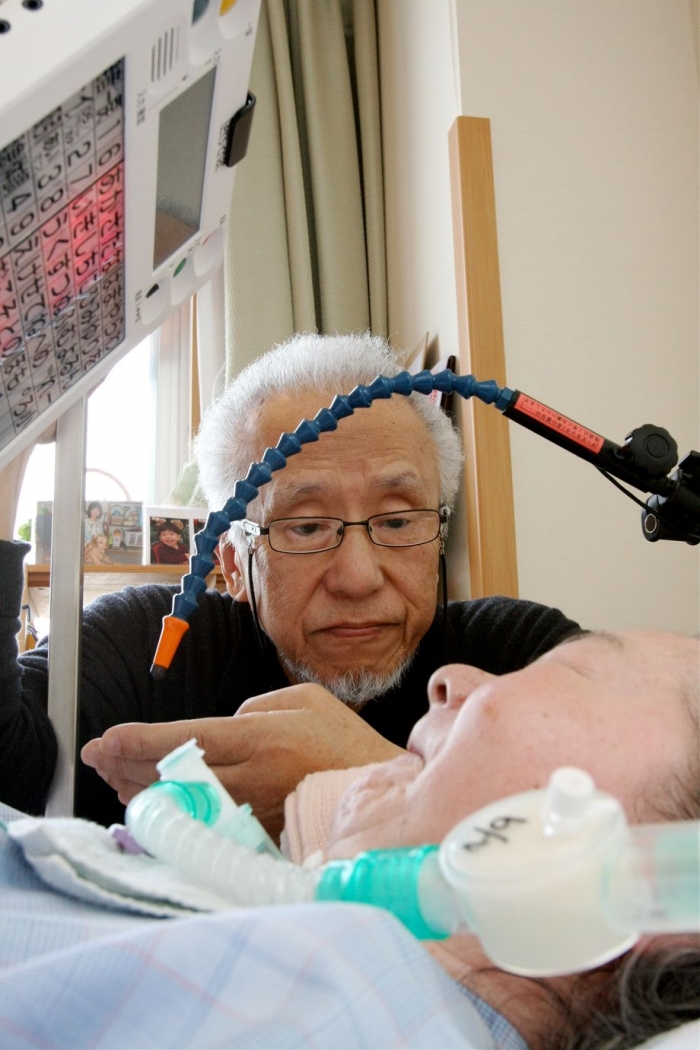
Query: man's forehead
[281, 412]
[309, 482]
[386, 446]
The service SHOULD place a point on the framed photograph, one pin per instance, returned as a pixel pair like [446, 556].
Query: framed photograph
[124, 529]
[112, 532]
[170, 532]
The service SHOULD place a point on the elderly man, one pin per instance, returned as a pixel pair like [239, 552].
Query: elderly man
[333, 579]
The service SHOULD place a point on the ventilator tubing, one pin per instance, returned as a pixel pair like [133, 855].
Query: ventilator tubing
[187, 766]
[551, 882]
[655, 885]
[236, 873]
[169, 821]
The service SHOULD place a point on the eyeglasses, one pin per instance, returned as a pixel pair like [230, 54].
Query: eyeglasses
[403, 528]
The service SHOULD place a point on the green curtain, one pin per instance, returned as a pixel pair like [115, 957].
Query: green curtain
[305, 248]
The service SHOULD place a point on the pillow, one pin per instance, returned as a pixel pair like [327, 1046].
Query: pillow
[687, 1037]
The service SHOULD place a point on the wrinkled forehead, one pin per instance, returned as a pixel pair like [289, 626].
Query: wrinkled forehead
[284, 412]
[389, 445]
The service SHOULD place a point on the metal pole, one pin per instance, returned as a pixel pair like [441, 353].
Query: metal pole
[66, 602]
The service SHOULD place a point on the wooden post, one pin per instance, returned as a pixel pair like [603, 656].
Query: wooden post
[488, 482]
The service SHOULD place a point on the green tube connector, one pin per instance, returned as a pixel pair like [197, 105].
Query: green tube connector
[391, 879]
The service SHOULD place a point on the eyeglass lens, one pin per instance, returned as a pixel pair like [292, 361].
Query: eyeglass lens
[408, 528]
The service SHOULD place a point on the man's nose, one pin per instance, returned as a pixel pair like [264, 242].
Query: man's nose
[355, 565]
[452, 684]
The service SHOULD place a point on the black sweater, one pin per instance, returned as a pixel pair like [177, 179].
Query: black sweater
[219, 665]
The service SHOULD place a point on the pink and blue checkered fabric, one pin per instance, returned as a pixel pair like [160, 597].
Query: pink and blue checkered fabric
[73, 975]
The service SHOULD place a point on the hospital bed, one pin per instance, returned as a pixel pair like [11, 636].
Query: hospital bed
[307, 975]
[297, 975]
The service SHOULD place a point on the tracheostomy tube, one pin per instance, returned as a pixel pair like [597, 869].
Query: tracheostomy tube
[551, 881]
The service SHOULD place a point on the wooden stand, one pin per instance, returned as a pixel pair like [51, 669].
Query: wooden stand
[103, 579]
[489, 488]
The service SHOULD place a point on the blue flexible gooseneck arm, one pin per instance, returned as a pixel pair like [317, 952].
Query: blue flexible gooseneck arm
[259, 473]
[644, 461]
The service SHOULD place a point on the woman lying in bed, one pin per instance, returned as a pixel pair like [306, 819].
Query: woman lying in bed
[623, 707]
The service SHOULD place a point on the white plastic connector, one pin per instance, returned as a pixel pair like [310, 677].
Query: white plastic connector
[186, 764]
[567, 800]
[529, 871]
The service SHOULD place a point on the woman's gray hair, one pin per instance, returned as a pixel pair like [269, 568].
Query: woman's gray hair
[651, 989]
[327, 364]
[645, 993]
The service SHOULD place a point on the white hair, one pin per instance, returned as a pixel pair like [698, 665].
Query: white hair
[327, 364]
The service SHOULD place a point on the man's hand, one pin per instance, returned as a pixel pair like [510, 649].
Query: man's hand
[259, 754]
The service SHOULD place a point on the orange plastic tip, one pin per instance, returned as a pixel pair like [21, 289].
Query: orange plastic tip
[170, 637]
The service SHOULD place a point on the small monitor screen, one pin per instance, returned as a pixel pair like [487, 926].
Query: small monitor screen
[182, 153]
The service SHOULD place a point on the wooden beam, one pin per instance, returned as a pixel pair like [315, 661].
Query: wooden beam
[488, 481]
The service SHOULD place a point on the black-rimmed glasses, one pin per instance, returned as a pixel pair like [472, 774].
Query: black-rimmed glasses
[311, 535]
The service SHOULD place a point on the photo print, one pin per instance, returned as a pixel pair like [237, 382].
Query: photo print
[171, 532]
[112, 532]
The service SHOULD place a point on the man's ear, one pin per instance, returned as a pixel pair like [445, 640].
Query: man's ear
[232, 570]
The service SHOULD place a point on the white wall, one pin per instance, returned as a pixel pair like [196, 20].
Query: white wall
[420, 100]
[594, 122]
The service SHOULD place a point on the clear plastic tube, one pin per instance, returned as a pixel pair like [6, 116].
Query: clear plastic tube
[235, 872]
[654, 885]
[170, 823]
[186, 765]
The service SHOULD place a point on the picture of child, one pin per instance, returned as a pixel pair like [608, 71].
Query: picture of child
[94, 520]
[119, 524]
[170, 542]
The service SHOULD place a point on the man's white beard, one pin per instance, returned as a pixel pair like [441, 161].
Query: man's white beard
[354, 688]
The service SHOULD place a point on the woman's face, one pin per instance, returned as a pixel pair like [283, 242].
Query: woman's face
[613, 705]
